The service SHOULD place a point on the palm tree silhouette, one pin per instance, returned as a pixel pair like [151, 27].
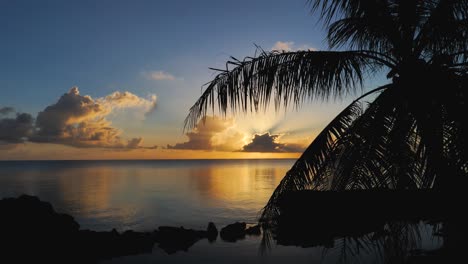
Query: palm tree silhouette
[412, 135]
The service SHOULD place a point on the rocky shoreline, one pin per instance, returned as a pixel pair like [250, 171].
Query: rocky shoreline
[32, 230]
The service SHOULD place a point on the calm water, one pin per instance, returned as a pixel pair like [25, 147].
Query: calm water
[142, 195]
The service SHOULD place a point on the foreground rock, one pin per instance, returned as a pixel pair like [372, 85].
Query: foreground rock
[31, 231]
[237, 231]
[173, 239]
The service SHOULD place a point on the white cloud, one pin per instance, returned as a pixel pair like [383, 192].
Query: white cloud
[159, 76]
[290, 46]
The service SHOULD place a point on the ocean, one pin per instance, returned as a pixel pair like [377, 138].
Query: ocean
[143, 194]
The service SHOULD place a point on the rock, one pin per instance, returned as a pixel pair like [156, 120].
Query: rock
[212, 232]
[233, 232]
[172, 239]
[32, 226]
[253, 230]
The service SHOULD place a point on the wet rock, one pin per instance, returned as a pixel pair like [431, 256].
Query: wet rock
[211, 232]
[233, 232]
[253, 230]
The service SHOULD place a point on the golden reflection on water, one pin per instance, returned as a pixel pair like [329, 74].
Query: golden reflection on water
[247, 185]
[143, 194]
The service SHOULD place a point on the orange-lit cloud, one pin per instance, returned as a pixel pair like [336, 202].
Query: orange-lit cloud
[80, 121]
[213, 133]
[219, 134]
[270, 143]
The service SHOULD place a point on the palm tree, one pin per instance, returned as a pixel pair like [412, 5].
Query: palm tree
[412, 135]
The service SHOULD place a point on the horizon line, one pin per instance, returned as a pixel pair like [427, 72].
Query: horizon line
[194, 159]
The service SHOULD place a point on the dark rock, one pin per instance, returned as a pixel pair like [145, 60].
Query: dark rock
[28, 225]
[172, 239]
[233, 232]
[31, 226]
[253, 230]
[212, 232]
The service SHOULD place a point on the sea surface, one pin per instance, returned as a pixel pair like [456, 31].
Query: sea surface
[142, 195]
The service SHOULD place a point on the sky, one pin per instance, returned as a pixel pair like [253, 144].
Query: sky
[114, 79]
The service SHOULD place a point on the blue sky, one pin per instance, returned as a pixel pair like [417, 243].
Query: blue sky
[103, 46]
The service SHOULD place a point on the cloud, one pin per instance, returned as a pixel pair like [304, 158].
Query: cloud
[269, 143]
[159, 76]
[134, 142]
[119, 100]
[80, 121]
[212, 134]
[127, 100]
[16, 130]
[6, 110]
[290, 46]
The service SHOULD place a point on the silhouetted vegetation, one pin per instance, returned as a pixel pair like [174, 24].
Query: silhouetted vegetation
[412, 133]
[411, 136]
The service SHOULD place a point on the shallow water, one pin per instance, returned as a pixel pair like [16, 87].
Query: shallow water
[142, 195]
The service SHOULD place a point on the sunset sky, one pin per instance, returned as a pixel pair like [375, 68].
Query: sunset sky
[112, 79]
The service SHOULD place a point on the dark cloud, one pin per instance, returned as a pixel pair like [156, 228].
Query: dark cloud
[17, 129]
[6, 110]
[212, 133]
[269, 143]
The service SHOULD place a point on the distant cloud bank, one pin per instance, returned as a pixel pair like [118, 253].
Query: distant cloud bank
[6, 110]
[14, 130]
[217, 134]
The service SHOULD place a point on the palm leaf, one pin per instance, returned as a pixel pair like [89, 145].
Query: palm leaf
[362, 33]
[445, 28]
[284, 77]
[309, 171]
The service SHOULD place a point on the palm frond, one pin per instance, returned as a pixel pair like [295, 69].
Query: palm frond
[285, 78]
[310, 170]
[361, 161]
[445, 30]
[336, 9]
[362, 33]
[380, 148]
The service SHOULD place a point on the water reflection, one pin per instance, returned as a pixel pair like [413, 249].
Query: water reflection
[144, 194]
